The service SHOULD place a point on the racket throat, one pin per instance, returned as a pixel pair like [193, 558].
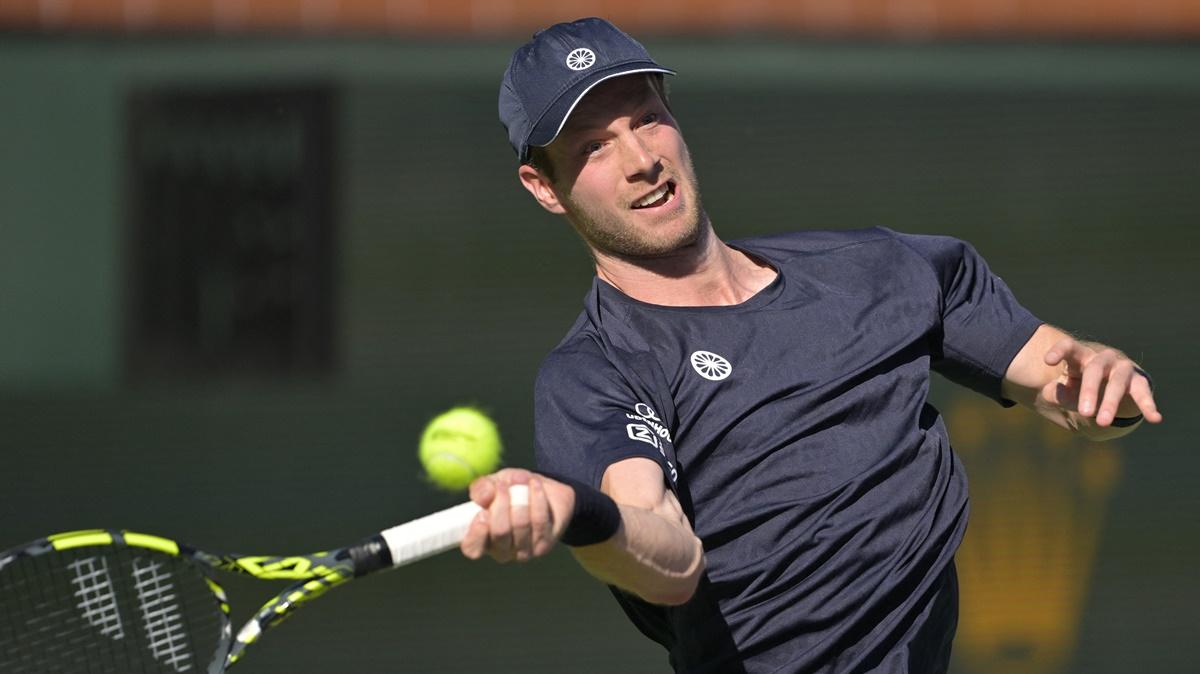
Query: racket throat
[369, 555]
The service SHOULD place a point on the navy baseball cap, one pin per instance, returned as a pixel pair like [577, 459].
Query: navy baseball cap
[550, 74]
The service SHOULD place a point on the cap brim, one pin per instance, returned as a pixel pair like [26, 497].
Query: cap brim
[555, 118]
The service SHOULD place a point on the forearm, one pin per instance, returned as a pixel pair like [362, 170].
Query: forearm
[653, 557]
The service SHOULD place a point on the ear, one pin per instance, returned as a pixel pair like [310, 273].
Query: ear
[541, 189]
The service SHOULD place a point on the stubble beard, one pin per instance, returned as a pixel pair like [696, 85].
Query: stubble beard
[612, 235]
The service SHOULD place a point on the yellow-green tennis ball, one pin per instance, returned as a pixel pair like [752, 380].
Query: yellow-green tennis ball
[458, 446]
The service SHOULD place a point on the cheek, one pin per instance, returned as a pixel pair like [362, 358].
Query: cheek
[590, 191]
[681, 147]
[672, 145]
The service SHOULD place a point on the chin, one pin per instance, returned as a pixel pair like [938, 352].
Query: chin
[680, 243]
[624, 239]
[685, 243]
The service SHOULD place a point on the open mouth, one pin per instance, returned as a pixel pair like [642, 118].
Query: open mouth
[657, 198]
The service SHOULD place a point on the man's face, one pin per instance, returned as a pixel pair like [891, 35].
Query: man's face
[623, 174]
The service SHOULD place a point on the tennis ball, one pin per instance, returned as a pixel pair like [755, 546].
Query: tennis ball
[458, 446]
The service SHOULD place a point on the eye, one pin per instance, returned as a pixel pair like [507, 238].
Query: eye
[649, 118]
[592, 147]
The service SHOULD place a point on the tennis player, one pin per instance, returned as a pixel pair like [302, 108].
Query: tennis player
[736, 436]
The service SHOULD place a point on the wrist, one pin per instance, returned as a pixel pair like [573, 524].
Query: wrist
[595, 517]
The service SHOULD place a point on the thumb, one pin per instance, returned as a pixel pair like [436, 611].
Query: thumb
[1061, 350]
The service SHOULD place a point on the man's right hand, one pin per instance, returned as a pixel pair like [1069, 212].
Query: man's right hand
[508, 531]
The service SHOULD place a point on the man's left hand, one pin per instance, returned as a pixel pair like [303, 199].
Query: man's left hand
[1098, 382]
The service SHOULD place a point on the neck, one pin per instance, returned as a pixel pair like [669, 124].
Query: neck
[706, 273]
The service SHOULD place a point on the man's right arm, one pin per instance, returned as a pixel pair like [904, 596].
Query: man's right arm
[654, 553]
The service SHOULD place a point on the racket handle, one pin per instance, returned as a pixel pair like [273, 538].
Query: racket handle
[444, 530]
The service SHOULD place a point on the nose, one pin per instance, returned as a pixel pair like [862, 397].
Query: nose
[639, 158]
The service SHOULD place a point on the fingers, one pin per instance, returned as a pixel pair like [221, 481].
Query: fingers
[474, 543]
[1070, 389]
[1095, 373]
[1114, 391]
[1064, 395]
[1084, 374]
[522, 548]
[500, 540]
[1139, 390]
[482, 491]
[1097, 383]
[541, 526]
[517, 520]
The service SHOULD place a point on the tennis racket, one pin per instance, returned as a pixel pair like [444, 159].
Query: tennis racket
[120, 602]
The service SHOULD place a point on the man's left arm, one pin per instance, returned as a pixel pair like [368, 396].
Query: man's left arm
[1086, 387]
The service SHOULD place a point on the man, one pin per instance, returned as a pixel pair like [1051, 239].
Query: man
[736, 438]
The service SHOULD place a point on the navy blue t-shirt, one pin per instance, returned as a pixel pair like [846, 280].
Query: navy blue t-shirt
[794, 429]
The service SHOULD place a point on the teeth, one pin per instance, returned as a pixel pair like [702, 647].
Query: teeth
[658, 194]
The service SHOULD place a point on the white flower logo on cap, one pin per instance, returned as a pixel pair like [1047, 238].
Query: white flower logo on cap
[581, 59]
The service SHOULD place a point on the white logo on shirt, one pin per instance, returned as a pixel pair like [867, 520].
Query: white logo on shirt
[644, 410]
[581, 59]
[642, 434]
[710, 366]
[650, 433]
[647, 414]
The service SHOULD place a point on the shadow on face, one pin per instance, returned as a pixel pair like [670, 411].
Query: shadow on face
[561, 161]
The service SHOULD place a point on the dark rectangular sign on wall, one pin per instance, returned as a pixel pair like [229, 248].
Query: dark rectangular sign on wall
[230, 250]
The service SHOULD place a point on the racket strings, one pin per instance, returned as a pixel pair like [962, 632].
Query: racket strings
[161, 614]
[95, 596]
[106, 610]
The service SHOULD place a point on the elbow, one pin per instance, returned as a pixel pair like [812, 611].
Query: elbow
[676, 590]
[674, 593]
[677, 595]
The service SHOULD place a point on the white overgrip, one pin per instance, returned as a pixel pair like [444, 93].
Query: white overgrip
[439, 532]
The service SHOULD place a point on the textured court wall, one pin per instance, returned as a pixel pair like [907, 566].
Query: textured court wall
[1072, 168]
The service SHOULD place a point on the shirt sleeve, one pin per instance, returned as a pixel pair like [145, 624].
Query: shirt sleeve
[587, 417]
[983, 325]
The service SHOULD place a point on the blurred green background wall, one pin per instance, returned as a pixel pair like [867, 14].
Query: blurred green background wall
[1073, 169]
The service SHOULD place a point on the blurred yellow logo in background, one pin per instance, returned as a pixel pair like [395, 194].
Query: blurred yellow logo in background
[1038, 497]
